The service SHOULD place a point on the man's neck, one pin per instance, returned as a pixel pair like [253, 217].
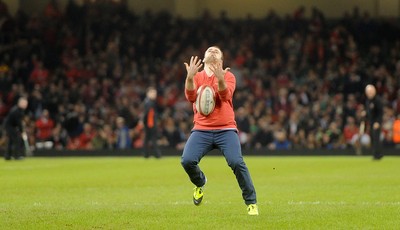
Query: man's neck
[209, 72]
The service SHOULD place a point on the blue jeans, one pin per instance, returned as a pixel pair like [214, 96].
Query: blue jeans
[227, 141]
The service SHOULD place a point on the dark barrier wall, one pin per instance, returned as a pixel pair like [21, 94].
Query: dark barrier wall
[173, 152]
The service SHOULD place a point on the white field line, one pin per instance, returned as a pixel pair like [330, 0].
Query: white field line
[299, 203]
[342, 203]
[267, 203]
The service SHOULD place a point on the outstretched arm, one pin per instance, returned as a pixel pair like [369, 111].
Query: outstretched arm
[226, 81]
[220, 74]
[192, 68]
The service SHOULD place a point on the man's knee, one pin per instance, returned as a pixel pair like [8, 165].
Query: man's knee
[187, 163]
[235, 163]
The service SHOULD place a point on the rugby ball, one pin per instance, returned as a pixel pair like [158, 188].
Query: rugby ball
[205, 101]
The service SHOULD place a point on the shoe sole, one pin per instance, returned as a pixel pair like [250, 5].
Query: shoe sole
[198, 201]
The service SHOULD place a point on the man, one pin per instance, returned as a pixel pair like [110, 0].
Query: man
[217, 130]
[123, 137]
[374, 113]
[150, 123]
[14, 128]
[44, 130]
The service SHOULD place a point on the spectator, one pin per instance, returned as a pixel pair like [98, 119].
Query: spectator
[350, 132]
[72, 122]
[170, 135]
[332, 137]
[312, 141]
[39, 75]
[44, 130]
[280, 141]
[243, 125]
[123, 137]
[99, 140]
[264, 135]
[3, 110]
[104, 138]
[299, 141]
[313, 72]
[59, 137]
[86, 137]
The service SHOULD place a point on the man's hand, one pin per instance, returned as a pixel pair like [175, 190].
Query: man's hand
[216, 68]
[193, 67]
[219, 73]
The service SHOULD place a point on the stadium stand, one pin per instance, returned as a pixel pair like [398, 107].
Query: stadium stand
[300, 80]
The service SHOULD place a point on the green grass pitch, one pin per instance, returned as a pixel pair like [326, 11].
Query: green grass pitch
[135, 193]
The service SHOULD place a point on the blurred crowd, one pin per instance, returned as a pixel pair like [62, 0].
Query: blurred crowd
[300, 81]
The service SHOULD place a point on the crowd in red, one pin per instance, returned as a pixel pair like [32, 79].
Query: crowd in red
[300, 80]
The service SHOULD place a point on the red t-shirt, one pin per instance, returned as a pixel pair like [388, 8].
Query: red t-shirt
[44, 128]
[349, 132]
[39, 76]
[223, 116]
[85, 139]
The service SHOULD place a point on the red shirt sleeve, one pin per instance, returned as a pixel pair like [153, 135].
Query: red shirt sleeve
[191, 95]
[227, 94]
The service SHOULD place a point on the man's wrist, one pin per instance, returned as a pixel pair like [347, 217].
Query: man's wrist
[189, 84]
[221, 85]
[189, 81]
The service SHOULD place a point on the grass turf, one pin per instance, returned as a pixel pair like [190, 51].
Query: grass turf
[136, 193]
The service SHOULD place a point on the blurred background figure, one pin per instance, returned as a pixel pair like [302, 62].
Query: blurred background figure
[374, 113]
[59, 137]
[44, 131]
[104, 138]
[264, 135]
[123, 136]
[243, 125]
[14, 126]
[86, 137]
[280, 141]
[150, 120]
[350, 132]
[171, 136]
[396, 131]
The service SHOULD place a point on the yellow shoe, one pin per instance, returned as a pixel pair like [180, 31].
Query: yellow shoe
[252, 209]
[198, 195]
